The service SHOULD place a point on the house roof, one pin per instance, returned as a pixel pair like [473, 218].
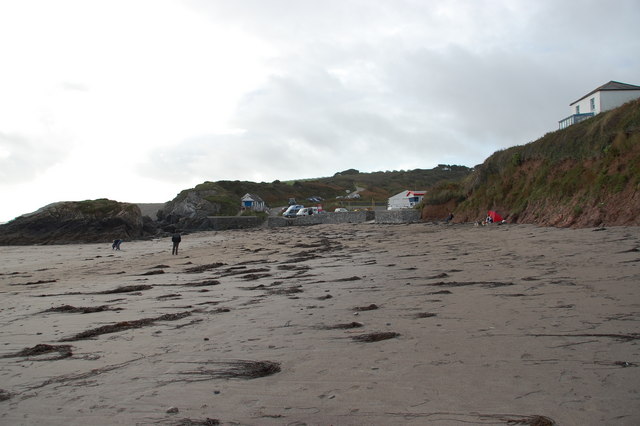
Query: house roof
[610, 86]
[407, 193]
[253, 197]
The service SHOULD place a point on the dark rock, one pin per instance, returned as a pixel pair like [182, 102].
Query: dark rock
[67, 222]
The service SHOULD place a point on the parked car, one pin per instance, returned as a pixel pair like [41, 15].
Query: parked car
[292, 210]
[308, 211]
[340, 210]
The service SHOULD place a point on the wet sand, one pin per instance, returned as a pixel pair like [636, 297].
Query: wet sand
[332, 324]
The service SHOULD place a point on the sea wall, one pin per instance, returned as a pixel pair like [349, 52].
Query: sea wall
[398, 216]
[386, 216]
[326, 218]
[221, 223]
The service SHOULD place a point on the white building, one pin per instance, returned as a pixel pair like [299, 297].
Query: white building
[606, 97]
[253, 202]
[405, 200]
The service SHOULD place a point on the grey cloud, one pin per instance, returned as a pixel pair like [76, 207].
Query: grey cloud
[362, 84]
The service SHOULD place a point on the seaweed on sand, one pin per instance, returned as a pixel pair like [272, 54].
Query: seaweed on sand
[205, 422]
[486, 284]
[624, 337]
[424, 315]
[81, 310]
[124, 325]
[247, 272]
[202, 283]
[203, 268]
[169, 296]
[64, 351]
[125, 289]
[375, 337]
[353, 278]
[441, 292]
[343, 326]
[36, 282]
[254, 277]
[534, 420]
[287, 290]
[238, 369]
[153, 272]
[293, 268]
[370, 307]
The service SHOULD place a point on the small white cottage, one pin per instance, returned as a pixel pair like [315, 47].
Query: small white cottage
[253, 202]
[608, 96]
[405, 200]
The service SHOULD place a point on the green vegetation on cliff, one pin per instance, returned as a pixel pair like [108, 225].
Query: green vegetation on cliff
[378, 186]
[103, 207]
[585, 175]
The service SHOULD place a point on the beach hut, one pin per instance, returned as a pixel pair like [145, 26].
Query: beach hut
[253, 202]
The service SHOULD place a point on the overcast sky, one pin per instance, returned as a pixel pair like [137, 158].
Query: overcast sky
[136, 100]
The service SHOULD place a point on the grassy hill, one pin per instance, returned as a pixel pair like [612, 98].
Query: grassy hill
[585, 175]
[378, 187]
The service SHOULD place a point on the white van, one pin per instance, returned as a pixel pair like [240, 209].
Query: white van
[308, 211]
[292, 210]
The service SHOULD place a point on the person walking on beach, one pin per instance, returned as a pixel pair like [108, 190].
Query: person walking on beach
[176, 238]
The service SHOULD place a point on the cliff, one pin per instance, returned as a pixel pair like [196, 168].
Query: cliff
[582, 176]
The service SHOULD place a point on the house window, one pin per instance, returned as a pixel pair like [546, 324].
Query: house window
[593, 104]
[577, 109]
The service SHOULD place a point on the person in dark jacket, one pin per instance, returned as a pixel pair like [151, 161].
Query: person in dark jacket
[176, 238]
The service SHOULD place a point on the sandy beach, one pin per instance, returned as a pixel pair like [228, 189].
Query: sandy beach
[355, 324]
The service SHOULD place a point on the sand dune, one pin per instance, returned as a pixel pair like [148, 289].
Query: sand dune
[331, 324]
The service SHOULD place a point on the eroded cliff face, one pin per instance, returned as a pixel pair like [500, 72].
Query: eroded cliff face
[584, 176]
[67, 222]
[192, 205]
[621, 209]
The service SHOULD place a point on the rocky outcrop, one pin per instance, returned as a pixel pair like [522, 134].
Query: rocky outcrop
[192, 207]
[68, 222]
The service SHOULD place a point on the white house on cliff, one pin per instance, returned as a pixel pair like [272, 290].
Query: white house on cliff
[608, 96]
[405, 200]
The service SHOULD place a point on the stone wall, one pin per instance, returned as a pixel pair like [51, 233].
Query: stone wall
[327, 218]
[398, 216]
[221, 223]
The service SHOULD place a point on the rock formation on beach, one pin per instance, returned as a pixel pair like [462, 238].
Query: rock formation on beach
[76, 222]
[191, 207]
